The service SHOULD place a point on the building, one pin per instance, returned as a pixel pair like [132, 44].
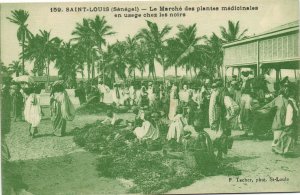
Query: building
[276, 49]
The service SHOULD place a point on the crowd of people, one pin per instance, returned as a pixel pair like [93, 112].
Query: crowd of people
[186, 109]
[190, 107]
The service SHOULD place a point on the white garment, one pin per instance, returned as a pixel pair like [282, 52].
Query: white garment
[151, 95]
[146, 131]
[184, 95]
[270, 83]
[289, 115]
[176, 128]
[32, 110]
[107, 96]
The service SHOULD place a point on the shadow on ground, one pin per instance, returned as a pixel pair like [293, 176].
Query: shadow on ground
[70, 174]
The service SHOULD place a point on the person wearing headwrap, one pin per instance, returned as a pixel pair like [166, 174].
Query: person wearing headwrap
[285, 121]
[222, 109]
[62, 110]
[32, 111]
[146, 130]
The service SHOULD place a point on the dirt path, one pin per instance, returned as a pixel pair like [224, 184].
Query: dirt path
[55, 165]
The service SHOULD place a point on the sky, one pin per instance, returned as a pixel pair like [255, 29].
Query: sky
[271, 13]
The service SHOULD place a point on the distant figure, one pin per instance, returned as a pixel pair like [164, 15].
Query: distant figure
[17, 102]
[270, 81]
[174, 101]
[62, 110]
[80, 93]
[184, 94]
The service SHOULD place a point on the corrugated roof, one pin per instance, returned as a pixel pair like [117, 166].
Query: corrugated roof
[282, 27]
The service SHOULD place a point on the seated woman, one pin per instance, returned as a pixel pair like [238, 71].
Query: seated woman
[199, 144]
[147, 130]
[176, 126]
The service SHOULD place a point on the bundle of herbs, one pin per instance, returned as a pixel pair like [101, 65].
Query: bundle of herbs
[151, 165]
[96, 108]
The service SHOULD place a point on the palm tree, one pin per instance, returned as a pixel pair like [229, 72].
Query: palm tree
[15, 67]
[154, 39]
[131, 55]
[67, 62]
[42, 49]
[83, 38]
[214, 44]
[232, 33]
[99, 31]
[114, 60]
[20, 17]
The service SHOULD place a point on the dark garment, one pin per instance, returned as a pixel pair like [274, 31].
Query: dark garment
[201, 148]
[5, 111]
[17, 105]
[80, 93]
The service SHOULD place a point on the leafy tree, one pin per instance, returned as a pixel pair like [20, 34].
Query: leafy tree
[19, 17]
[83, 37]
[214, 44]
[232, 33]
[114, 60]
[15, 67]
[67, 63]
[42, 49]
[99, 31]
[155, 41]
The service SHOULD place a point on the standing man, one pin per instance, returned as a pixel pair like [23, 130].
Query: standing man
[80, 93]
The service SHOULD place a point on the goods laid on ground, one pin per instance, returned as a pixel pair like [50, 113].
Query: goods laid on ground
[96, 108]
[151, 165]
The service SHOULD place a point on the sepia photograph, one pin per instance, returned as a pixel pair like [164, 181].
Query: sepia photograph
[150, 97]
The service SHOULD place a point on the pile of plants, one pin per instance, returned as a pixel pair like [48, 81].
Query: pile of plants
[98, 108]
[150, 165]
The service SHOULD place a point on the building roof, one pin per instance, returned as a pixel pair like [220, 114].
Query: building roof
[282, 29]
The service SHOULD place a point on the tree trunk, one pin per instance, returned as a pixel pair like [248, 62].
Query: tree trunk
[93, 66]
[134, 74]
[89, 71]
[164, 74]
[48, 74]
[186, 71]
[176, 73]
[23, 64]
[113, 77]
[142, 74]
[17, 73]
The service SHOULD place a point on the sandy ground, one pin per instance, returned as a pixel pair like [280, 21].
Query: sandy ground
[55, 165]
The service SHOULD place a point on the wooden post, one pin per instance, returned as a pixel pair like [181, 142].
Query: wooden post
[258, 60]
[277, 75]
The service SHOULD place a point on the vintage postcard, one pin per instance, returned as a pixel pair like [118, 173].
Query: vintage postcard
[150, 97]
